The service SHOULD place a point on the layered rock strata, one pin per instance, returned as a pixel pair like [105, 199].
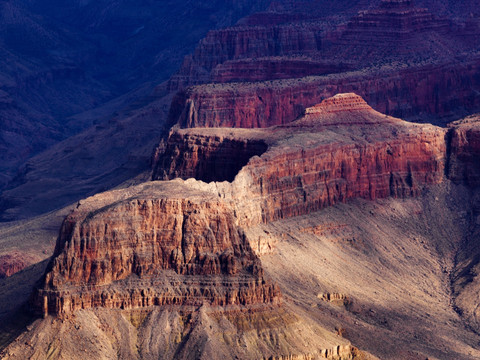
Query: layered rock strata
[243, 42]
[339, 150]
[393, 20]
[155, 244]
[206, 159]
[418, 60]
[464, 149]
[271, 68]
[397, 91]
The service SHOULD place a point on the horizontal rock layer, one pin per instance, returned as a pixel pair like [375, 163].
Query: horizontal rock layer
[245, 42]
[339, 150]
[391, 33]
[274, 68]
[393, 21]
[166, 288]
[398, 92]
[115, 242]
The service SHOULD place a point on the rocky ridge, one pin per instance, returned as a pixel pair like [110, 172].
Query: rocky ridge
[155, 244]
[421, 57]
[394, 90]
[341, 149]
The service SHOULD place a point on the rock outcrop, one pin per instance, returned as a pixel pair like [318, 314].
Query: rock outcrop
[393, 20]
[155, 244]
[243, 42]
[12, 263]
[339, 150]
[397, 91]
[464, 148]
[205, 158]
[175, 243]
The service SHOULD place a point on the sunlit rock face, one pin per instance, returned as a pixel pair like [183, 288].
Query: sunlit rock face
[155, 244]
[339, 150]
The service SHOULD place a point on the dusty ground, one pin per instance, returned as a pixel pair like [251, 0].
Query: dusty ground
[390, 262]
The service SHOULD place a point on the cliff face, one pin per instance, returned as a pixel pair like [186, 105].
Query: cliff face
[393, 21]
[463, 165]
[402, 59]
[245, 42]
[397, 92]
[271, 68]
[152, 246]
[339, 150]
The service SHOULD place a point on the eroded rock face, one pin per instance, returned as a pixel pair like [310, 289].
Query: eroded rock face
[402, 59]
[398, 92]
[204, 158]
[393, 20]
[464, 150]
[245, 42]
[156, 244]
[339, 150]
[270, 68]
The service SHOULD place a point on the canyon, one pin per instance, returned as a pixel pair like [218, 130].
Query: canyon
[180, 244]
[305, 186]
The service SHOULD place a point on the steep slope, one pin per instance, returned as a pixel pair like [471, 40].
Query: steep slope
[378, 272]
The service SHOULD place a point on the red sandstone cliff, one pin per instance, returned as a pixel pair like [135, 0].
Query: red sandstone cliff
[421, 65]
[156, 244]
[400, 92]
[341, 149]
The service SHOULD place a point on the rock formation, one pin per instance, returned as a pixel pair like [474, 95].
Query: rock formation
[397, 91]
[463, 165]
[393, 20]
[271, 68]
[156, 244]
[242, 42]
[341, 149]
[205, 158]
[403, 60]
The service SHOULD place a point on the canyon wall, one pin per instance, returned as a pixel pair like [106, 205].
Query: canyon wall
[161, 244]
[464, 148]
[245, 42]
[393, 21]
[204, 158]
[341, 149]
[416, 92]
